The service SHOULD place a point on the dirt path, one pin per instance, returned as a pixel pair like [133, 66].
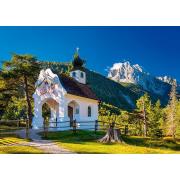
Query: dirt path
[47, 146]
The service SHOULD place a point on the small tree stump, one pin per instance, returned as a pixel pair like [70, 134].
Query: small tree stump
[112, 136]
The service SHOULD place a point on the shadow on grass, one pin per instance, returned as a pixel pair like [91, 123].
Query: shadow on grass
[82, 137]
[153, 143]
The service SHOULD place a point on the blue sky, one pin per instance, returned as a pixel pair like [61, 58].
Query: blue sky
[157, 49]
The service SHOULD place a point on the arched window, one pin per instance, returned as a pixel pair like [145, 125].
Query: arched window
[89, 111]
[74, 74]
[82, 75]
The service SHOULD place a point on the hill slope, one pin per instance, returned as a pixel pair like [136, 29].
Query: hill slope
[121, 95]
[110, 91]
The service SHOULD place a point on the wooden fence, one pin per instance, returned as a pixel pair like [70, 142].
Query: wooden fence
[6, 126]
[95, 126]
[15, 123]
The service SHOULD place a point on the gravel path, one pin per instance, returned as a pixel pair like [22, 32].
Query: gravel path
[47, 146]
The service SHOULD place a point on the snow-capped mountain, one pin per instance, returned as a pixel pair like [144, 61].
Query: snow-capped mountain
[166, 79]
[170, 80]
[128, 73]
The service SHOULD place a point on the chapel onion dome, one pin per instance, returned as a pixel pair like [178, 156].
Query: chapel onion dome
[77, 62]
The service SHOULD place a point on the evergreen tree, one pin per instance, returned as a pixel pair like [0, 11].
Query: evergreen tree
[155, 120]
[144, 107]
[171, 123]
[16, 109]
[135, 120]
[18, 76]
[177, 120]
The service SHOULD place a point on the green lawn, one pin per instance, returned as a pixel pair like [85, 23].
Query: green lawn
[11, 145]
[86, 142]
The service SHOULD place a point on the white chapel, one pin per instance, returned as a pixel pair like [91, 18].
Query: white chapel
[68, 97]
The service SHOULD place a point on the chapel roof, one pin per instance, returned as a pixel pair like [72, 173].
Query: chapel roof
[78, 63]
[75, 88]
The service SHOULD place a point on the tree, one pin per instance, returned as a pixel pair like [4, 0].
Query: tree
[177, 133]
[144, 107]
[155, 120]
[15, 109]
[19, 75]
[171, 112]
[108, 109]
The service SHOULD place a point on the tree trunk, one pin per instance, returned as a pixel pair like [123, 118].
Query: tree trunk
[145, 128]
[28, 100]
[145, 120]
[173, 131]
[112, 135]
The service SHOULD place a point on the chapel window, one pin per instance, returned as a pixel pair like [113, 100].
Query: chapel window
[82, 75]
[74, 74]
[89, 111]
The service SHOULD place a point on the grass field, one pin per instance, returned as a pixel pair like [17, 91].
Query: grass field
[86, 142]
[12, 145]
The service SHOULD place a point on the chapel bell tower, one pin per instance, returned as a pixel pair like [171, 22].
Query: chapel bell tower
[78, 71]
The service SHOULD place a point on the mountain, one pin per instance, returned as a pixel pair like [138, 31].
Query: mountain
[125, 72]
[135, 74]
[170, 80]
[166, 79]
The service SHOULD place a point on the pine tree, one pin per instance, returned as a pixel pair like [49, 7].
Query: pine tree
[171, 123]
[19, 76]
[144, 107]
[155, 120]
[177, 121]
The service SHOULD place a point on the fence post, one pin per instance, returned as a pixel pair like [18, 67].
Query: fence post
[126, 130]
[96, 125]
[27, 128]
[45, 129]
[74, 126]
[56, 122]
[17, 123]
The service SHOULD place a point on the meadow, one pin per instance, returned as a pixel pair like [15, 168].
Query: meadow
[85, 142]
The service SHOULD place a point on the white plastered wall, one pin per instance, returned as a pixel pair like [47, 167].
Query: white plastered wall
[83, 109]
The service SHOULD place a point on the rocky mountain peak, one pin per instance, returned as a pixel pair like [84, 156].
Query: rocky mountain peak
[166, 79]
[128, 73]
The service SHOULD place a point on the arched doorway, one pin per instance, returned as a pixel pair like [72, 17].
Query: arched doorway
[46, 113]
[73, 111]
[50, 112]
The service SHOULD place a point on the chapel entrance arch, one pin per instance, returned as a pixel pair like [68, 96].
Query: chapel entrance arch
[50, 117]
[73, 111]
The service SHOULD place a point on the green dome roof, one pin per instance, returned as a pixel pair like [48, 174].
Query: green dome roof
[77, 61]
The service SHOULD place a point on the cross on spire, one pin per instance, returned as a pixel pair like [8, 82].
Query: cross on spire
[77, 50]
